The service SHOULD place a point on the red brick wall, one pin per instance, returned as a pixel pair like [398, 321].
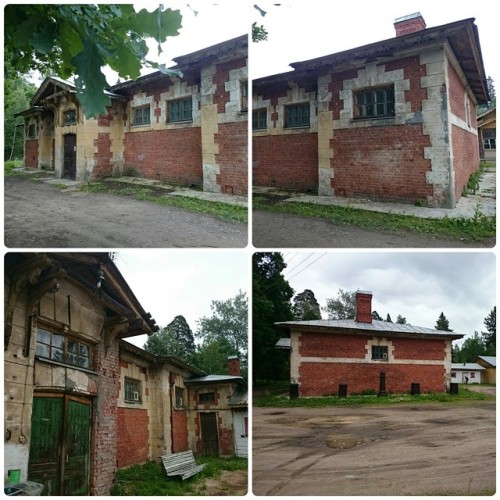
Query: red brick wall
[102, 167]
[225, 440]
[323, 379]
[232, 139]
[104, 419]
[416, 349]
[465, 157]
[381, 162]
[456, 93]
[133, 437]
[172, 155]
[179, 431]
[31, 153]
[337, 346]
[288, 161]
[220, 78]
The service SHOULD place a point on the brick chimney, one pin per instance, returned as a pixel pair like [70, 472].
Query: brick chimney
[233, 366]
[363, 307]
[409, 24]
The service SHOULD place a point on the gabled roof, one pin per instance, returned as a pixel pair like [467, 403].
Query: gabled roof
[375, 328]
[467, 366]
[462, 36]
[486, 117]
[491, 360]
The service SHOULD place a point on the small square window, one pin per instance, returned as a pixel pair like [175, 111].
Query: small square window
[379, 352]
[297, 115]
[259, 119]
[142, 116]
[180, 110]
[133, 391]
[69, 117]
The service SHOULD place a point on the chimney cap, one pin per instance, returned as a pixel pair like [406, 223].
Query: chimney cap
[367, 292]
[233, 357]
[407, 17]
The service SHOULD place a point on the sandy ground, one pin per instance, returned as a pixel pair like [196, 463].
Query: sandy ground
[230, 483]
[375, 450]
[38, 215]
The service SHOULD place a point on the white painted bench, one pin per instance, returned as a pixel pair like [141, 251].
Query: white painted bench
[181, 464]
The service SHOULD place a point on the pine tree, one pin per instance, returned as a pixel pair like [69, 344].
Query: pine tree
[443, 324]
[305, 306]
[388, 319]
[490, 335]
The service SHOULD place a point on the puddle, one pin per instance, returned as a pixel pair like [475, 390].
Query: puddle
[343, 441]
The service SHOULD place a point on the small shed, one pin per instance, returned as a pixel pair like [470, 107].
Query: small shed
[487, 132]
[490, 365]
[467, 373]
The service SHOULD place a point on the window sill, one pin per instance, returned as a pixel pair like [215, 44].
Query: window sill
[180, 122]
[65, 365]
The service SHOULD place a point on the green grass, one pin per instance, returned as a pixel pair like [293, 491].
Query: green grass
[478, 228]
[9, 166]
[275, 398]
[150, 479]
[222, 210]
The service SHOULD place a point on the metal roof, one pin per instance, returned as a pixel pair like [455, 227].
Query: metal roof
[214, 378]
[374, 327]
[492, 360]
[467, 366]
[284, 343]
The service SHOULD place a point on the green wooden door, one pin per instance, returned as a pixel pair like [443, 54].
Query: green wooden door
[60, 445]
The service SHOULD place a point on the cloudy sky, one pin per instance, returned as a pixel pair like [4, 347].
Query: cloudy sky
[417, 285]
[171, 283]
[301, 30]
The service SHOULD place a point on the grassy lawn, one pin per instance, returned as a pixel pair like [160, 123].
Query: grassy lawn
[150, 479]
[478, 228]
[274, 397]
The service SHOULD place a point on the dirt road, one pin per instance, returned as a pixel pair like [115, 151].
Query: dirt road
[38, 215]
[375, 450]
[290, 231]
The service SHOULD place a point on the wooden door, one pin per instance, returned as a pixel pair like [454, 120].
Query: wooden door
[60, 445]
[69, 157]
[209, 435]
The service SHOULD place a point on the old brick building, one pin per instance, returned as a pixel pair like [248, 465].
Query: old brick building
[329, 353]
[190, 130]
[392, 120]
[80, 401]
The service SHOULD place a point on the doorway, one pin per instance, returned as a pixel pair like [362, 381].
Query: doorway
[60, 444]
[209, 434]
[69, 157]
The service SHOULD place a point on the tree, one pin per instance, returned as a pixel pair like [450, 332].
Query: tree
[388, 318]
[400, 320]
[271, 302]
[305, 306]
[78, 40]
[228, 323]
[442, 323]
[471, 349]
[211, 356]
[259, 33]
[176, 339]
[341, 307]
[376, 316]
[17, 95]
[490, 335]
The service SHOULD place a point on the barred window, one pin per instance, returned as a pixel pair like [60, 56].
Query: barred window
[297, 115]
[206, 397]
[379, 352]
[180, 110]
[374, 103]
[133, 391]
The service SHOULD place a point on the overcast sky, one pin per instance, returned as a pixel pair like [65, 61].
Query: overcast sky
[417, 285]
[172, 283]
[301, 30]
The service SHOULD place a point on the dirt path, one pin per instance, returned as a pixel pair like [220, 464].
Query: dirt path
[375, 450]
[230, 483]
[38, 215]
[290, 231]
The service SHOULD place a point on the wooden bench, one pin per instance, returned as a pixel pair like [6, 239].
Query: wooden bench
[181, 464]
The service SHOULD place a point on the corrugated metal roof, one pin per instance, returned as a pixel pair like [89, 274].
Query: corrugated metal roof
[374, 327]
[239, 398]
[467, 366]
